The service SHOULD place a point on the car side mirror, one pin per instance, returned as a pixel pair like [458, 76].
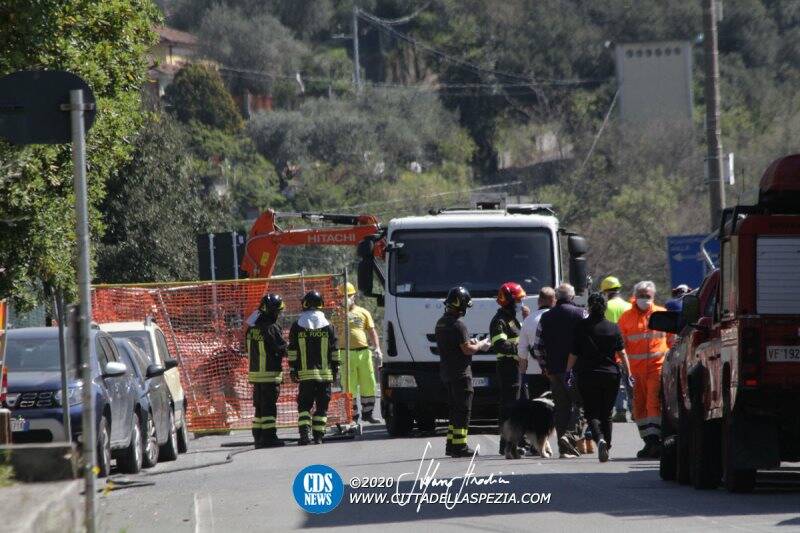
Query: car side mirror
[114, 369]
[666, 321]
[691, 309]
[154, 370]
[170, 363]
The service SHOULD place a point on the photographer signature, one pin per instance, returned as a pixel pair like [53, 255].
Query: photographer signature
[424, 480]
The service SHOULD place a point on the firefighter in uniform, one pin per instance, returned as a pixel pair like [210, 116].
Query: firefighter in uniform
[646, 349]
[266, 349]
[455, 351]
[314, 358]
[504, 334]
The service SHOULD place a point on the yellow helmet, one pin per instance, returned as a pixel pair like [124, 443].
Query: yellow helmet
[609, 284]
[351, 290]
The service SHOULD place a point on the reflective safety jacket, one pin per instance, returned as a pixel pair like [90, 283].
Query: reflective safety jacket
[266, 349]
[645, 347]
[313, 353]
[504, 334]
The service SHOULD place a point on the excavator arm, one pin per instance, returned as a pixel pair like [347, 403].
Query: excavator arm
[266, 238]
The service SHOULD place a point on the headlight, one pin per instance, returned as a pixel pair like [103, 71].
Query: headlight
[401, 382]
[74, 395]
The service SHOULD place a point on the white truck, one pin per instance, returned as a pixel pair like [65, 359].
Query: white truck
[427, 255]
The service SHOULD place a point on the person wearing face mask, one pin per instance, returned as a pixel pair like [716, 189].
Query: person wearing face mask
[646, 349]
[360, 373]
[504, 334]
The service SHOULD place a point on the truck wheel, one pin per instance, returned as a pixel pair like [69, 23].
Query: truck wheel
[736, 480]
[399, 421]
[706, 462]
[683, 472]
[426, 422]
[667, 464]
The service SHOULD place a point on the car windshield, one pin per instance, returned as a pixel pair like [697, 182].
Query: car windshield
[430, 262]
[33, 355]
[140, 339]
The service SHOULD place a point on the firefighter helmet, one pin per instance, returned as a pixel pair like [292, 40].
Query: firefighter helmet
[510, 293]
[312, 300]
[458, 299]
[271, 304]
[610, 284]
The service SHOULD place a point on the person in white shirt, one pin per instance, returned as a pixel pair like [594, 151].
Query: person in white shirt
[535, 383]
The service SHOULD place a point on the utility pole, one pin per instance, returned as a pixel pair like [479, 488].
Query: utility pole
[356, 62]
[716, 188]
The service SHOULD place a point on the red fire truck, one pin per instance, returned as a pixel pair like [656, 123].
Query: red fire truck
[733, 391]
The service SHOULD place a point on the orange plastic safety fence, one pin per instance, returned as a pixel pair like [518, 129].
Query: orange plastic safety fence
[204, 324]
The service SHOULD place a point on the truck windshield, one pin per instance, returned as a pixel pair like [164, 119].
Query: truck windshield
[430, 262]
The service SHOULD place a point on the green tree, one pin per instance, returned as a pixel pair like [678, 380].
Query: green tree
[198, 94]
[154, 209]
[105, 43]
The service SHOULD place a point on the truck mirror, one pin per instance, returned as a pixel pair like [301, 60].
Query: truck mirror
[691, 309]
[578, 273]
[577, 245]
[365, 276]
[666, 321]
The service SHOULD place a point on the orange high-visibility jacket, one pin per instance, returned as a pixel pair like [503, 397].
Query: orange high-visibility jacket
[644, 346]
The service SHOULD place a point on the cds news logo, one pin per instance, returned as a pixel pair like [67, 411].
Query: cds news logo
[318, 489]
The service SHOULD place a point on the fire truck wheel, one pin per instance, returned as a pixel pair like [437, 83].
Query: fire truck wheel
[736, 480]
[683, 441]
[706, 462]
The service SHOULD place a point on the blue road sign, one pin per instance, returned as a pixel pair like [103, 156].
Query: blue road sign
[687, 263]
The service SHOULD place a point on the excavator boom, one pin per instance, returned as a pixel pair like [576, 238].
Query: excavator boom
[266, 238]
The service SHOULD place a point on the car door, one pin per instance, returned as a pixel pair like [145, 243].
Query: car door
[157, 394]
[122, 391]
[172, 377]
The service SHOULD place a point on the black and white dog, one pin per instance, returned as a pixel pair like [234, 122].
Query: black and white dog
[533, 419]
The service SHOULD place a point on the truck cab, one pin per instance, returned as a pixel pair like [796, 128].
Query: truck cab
[478, 249]
[741, 380]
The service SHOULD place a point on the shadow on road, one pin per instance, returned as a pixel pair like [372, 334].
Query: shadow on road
[637, 493]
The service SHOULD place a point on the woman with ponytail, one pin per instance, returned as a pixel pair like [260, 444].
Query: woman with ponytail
[598, 347]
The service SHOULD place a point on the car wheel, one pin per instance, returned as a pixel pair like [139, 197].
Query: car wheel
[169, 450]
[183, 434]
[103, 448]
[667, 464]
[130, 459]
[706, 462]
[150, 443]
[399, 421]
[735, 479]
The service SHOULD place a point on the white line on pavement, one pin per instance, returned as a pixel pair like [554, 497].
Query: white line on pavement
[203, 514]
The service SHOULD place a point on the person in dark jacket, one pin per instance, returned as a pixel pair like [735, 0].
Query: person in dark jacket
[555, 341]
[314, 357]
[598, 345]
[266, 349]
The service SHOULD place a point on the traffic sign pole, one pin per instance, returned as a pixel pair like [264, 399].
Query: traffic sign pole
[76, 109]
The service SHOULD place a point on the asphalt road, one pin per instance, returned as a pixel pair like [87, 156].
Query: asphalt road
[224, 485]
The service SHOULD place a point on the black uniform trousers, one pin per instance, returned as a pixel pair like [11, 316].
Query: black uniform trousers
[459, 399]
[599, 393]
[536, 384]
[508, 382]
[265, 400]
[316, 394]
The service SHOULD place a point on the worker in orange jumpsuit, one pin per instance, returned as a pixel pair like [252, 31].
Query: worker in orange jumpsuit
[646, 349]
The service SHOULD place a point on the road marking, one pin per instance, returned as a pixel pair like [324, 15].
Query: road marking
[203, 514]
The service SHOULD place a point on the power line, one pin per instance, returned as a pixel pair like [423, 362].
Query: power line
[462, 62]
